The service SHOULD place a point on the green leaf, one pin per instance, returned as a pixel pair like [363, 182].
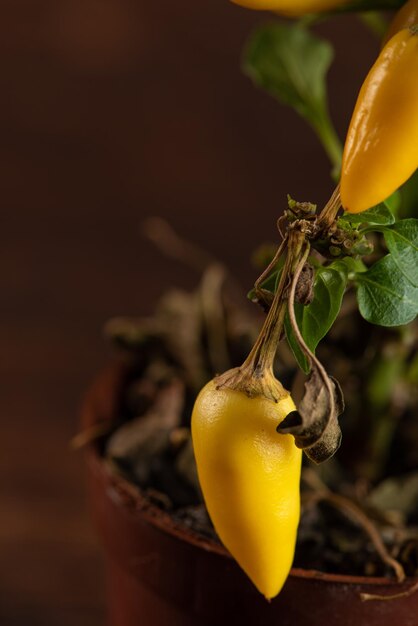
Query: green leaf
[349, 266]
[402, 241]
[301, 359]
[290, 63]
[316, 319]
[379, 214]
[394, 202]
[409, 197]
[385, 294]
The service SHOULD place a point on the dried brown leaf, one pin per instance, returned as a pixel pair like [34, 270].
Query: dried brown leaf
[136, 442]
[315, 424]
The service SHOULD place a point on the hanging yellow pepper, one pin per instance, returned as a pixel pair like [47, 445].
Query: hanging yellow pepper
[381, 149]
[292, 8]
[249, 476]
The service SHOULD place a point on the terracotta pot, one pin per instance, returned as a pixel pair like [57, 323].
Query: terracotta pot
[160, 574]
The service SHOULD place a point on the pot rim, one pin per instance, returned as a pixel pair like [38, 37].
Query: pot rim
[132, 498]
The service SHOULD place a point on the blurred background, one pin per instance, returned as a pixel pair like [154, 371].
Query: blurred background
[112, 111]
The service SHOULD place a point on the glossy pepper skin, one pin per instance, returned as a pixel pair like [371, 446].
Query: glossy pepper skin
[292, 8]
[250, 477]
[381, 149]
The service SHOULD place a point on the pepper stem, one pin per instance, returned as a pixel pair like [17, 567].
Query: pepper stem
[256, 376]
[330, 210]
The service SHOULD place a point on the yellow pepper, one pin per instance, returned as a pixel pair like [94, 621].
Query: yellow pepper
[249, 476]
[381, 149]
[292, 8]
[406, 17]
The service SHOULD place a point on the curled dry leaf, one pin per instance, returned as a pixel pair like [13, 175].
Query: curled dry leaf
[315, 424]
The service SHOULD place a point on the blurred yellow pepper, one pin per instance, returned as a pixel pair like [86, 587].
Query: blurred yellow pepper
[406, 17]
[249, 476]
[292, 8]
[381, 149]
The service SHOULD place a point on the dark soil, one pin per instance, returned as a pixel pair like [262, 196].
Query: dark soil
[154, 452]
[359, 509]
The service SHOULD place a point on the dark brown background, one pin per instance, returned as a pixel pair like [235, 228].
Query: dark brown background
[112, 110]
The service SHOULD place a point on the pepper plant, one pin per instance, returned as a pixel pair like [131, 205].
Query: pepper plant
[247, 432]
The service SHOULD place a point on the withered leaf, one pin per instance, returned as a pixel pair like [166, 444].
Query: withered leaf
[304, 293]
[133, 333]
[315, 424]
[179, 314]
[397, 493]
[136, 442]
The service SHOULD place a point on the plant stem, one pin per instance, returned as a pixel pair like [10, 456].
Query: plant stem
[331, 143]
[394, 596]
[261, 357]
[256, 375]
[313, 361]
[273, 262]
[330, 210]
[375, 22]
